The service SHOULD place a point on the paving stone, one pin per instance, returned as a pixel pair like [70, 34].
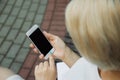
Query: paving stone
[24, 73]
[12, 34]
[36, 1]
[1, 40]
[44, 1]
[10, 20]
[11, 2]
[34, 7]
[31, 78]
[13, 51]
[16, 67]
[20, 38]
[18, 24]
[38, 19]
[22, 13]
[1, 57]
[32, 71]
[22, 55]
[5, 47]
[46, 25]
[2, 5]
[26, 26]
[60, 23]
[30, 16]
[26, 43]
[58, 28]
[15, 11]
[7, 9]
[51, 7]
[6, 62]
[41, 9]
[31, 59]
[49, 16]
[3, 17]
[4, 31]
[0, 26]
[26, 4]
[19, 3]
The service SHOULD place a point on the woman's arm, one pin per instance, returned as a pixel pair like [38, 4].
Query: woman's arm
[70, 57]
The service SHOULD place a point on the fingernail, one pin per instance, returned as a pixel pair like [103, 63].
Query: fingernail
[44, 32]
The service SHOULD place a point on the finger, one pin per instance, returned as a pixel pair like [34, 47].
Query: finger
[46, 64]
[35, 50]
[51, 61]
[41, 65]
[32, 45]
[36, 69]
[53, 55]
[41, 56]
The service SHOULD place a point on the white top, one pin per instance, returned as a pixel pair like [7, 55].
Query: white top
[82, 70]
[15, 77]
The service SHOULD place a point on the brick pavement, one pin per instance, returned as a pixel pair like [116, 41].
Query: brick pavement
[16, 17]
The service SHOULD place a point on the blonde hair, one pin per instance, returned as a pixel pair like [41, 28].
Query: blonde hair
[94, 26]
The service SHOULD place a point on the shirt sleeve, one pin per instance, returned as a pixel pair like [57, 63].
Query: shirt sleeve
[15, 77]
[82, 70]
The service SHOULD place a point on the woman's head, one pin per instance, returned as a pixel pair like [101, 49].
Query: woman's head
[94, 26]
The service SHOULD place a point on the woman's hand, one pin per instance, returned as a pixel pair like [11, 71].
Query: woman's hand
[46, 70]
[57, 43]
[61, 50]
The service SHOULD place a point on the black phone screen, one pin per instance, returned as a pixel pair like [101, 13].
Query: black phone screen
[40, 41]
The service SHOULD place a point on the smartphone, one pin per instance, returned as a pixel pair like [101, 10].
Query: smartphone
[40, 41]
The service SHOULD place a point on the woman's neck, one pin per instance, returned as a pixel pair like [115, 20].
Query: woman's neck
[109, 75]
